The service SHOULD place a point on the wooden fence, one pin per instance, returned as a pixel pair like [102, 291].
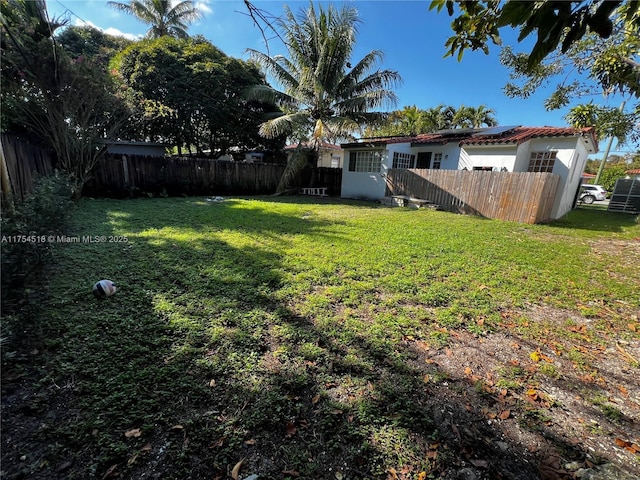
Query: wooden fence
[24, 162]
[512, 196]
[133, 175]
[124, 176]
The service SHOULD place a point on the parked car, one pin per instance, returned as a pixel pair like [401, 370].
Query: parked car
[598, 192]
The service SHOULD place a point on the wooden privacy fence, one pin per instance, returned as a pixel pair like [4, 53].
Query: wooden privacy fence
[23, 162]
[512, 196]
[131, 175]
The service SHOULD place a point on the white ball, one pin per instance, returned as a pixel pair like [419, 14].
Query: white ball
[104, 288]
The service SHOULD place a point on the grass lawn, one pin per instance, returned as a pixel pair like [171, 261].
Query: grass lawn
[295, 338]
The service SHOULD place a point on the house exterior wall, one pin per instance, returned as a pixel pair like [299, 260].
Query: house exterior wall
[364, 185]
[450, 154]
[327, 158]
[151, 150]
[571, 156]
[494, 156]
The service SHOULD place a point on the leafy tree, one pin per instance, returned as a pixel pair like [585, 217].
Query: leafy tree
[164, 17]
[591, 45]
[558, 23]
[90, 42]
[69, 104]
[193, 95]
[325, 94]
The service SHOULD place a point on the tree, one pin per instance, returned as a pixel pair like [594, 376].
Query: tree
[558, 23]
[474, 117]
[193, 95]
[325, 95]
[413, 121]
[68, 104]
[164, 18]
[590, 45]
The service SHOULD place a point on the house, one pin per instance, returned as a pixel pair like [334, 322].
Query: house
[329, 154]
[150, 149]
[559, 150]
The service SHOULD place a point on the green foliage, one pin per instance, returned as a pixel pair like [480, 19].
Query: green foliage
[25, 234]
[66, 103]
[192, 95]
[413, 121]
[593, 45]
[325, 95]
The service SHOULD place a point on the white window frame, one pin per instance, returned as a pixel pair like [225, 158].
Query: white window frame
[436, 162]
[542, 162]
[403, 160]
[365, 161]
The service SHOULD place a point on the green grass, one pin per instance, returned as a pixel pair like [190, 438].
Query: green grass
[278, 325]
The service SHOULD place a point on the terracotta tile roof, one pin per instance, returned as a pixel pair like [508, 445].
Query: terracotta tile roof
[520, 135]
[633, 171]
[482, 136]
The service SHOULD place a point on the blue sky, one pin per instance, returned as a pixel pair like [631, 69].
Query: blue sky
[411, 37]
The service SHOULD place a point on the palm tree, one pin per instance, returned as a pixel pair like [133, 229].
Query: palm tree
[323, 95]
[163, 18]
[475, 117]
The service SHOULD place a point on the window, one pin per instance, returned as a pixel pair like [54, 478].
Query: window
[365, 161]
[424, 160]
[335, 161]
[403, 160]
[437, 160]
[483, 169]
[542, 162]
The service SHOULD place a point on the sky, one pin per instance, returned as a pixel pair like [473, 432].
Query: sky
[411, 37]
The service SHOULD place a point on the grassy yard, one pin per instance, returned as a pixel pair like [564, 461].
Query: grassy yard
[289, 338]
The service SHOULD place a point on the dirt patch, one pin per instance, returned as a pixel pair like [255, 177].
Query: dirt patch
[572, 403]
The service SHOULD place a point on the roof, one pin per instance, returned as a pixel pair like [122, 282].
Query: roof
[633, 171]
[510, 135]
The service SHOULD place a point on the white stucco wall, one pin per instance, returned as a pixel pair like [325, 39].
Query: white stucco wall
[571, 155]
[450, 153]
[495, 156]
[364, 185]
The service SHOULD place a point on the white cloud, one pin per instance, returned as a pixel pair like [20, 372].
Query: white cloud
[109, 31]
[204, 7]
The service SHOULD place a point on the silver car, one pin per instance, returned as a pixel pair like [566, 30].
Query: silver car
[596, 191]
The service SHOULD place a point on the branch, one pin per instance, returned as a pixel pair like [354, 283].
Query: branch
[260, 17]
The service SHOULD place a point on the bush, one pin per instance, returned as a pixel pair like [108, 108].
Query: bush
[24, 234]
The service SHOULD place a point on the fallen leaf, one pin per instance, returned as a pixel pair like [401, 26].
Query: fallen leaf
[177, 427]
[467, 371]
[393, 475]
[212, 382]
[422, 475]
[633, 327]
[630, 446]
[235, 473]
[250, 442]
[133, 433]
[505, 414]
[432, 455]
[623, 390]
[291, 429]
[315, 399]
[291, 473]
[479, 463]
[339, 476]
[146, 448]
[133, 459]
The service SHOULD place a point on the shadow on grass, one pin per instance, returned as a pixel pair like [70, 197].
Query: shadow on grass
[200, 362]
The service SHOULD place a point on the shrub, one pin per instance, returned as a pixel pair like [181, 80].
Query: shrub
[25, 246]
